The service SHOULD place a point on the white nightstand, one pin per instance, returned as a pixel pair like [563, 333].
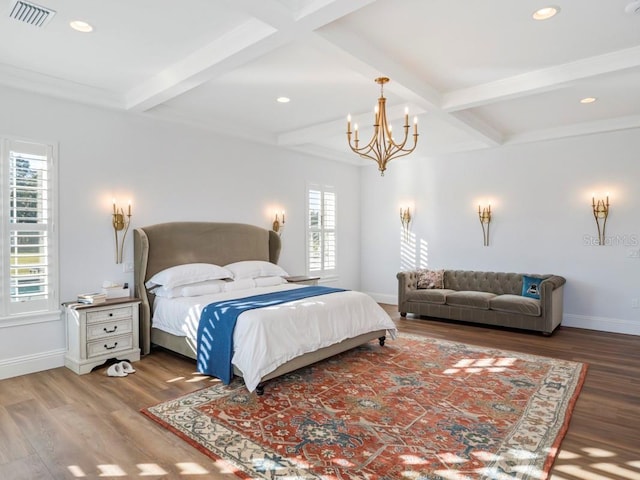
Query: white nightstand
[97, 333]
[303, 280]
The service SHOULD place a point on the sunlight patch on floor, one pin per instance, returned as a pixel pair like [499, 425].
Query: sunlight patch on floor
[191, 468]
[522, 454]
[595, 471]
[495, 475]
[76, 471]
[452, 475]
[149, 469]
[579, 472]
[412, 460]
[472, 365]
[451, 458]
[617, 470]
[598, 452]
[567, 455]
[111, 471]
[486, 456]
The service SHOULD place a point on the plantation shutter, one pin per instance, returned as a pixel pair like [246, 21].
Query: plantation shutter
[29, 255]
[321, 231]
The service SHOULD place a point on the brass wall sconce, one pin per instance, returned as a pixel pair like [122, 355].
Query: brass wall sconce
[485, 220]
[278, 225]
[405, 220]
[120, 223]
[600, 213]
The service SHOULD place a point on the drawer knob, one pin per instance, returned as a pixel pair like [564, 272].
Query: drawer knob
[111, 314]
[110, 331]
[110, 348]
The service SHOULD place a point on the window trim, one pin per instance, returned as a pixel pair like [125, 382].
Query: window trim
[323, 273]
[50, 307]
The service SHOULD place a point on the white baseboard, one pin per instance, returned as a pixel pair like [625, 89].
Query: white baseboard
[603, 324]
[14, 367]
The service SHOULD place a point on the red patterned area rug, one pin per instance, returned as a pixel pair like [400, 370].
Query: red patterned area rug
[417, 408]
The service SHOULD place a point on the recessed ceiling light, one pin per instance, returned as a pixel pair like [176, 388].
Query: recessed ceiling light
[283, 99]
[545, 13]
[588, 100]
[81, 26]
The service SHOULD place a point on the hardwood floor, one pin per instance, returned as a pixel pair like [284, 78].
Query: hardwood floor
[59, 425]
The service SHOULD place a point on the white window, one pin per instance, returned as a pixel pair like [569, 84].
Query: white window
[29, 261]
[321, 231]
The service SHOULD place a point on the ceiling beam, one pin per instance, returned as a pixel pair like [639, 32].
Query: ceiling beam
[327, 129]
[540, 80]
[576, 130]
[366, 58]
[269, 26]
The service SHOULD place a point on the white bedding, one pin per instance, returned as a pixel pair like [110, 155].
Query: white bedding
[266, 338]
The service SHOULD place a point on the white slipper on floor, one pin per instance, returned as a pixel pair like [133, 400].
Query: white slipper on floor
[127, 367]
[116, 370]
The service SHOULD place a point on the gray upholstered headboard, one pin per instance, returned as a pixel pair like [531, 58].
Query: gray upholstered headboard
[164, 245]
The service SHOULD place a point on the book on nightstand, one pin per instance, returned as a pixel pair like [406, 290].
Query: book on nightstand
[92, 298]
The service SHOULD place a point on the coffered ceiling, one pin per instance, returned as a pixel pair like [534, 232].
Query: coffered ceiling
[478, 73]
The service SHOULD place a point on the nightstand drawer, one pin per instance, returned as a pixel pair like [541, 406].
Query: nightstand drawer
[109, 314]
[109, 345]
[109, 329]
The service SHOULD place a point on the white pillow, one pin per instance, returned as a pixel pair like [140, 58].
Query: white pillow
[255, 269]
[187, 274]
[269, 281]
[202, 288]
[165, 292]
[242, 284]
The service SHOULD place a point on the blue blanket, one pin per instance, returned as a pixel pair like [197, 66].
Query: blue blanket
[218, 319]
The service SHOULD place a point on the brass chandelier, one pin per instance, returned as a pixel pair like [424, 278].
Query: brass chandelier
[382, 148]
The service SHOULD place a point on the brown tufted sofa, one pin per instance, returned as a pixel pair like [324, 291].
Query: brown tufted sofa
[492, 298]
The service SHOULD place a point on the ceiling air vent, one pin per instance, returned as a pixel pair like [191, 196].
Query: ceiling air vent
[633, 8]
[31, 13]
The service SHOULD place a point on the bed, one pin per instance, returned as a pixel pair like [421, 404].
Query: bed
[161, 246]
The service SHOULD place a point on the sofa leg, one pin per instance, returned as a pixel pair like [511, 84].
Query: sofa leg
[403, 314]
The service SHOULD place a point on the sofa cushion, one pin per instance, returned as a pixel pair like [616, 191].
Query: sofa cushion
[430, 278]
[516, 304]
[493, 282]
[470, 299]
[436, 295]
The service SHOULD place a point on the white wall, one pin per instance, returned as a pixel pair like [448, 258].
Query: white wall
[542, 220]
[540, 197]
[171, 173]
